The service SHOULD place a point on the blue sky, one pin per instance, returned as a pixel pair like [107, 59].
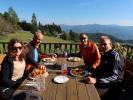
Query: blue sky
[73, 12]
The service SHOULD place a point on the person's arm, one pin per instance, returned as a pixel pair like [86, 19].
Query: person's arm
[98, 57]
[117, 67]
[31, 61]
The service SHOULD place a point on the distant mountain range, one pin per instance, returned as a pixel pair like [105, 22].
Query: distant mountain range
[121, 32]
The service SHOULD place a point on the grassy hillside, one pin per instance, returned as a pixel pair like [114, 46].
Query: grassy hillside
[27, 36]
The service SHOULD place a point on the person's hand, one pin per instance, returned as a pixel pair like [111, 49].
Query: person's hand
[54, 56]
[94, 66]
[42, 67]
[90, 80]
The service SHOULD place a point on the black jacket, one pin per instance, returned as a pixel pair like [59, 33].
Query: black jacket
[30, 50]
[6, 72]
[111, 67]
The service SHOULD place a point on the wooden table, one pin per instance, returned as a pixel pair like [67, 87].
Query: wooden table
[74, 89]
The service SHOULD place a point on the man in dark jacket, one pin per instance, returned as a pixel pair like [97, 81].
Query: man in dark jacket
[33, 46]
[32, 50]
[111, 66]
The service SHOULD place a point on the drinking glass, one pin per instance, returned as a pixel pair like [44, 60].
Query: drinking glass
[64, 69]
[65, 53]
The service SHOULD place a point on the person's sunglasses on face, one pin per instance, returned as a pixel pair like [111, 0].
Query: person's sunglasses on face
[104, 44]
[17, 48]
[83, 38]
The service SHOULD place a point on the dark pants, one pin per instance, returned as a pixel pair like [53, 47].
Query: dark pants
[109, 91]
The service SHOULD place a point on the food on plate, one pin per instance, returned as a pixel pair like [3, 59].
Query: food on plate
[49, 59]
[46, 59]
[53, 59]
[37, 72]
[74, 59]
[54, 56]
[77, 72]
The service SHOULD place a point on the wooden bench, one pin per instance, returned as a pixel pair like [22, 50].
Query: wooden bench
[1, 59]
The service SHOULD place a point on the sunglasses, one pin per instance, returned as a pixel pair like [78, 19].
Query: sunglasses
[104, 43]
[17, 48]
[83, 38]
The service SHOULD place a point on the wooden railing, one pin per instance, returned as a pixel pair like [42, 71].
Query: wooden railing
[3, 47]
[71, 48]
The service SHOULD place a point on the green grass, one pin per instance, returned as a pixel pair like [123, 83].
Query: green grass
[27, 36]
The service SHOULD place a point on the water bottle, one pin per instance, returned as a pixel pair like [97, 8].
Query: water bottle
[65, 54]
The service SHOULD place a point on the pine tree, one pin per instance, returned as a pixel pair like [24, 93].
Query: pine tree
[34, 24]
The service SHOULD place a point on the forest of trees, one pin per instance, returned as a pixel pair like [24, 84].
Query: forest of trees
[9, 21]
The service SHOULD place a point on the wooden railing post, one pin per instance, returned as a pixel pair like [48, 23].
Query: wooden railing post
[44, 47]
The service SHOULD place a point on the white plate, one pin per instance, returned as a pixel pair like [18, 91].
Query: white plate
[30, 77]
[75, 59]
[48, 63]
[49, 59]
[61, 79]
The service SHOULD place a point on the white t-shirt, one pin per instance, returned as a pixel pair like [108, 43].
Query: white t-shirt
[19, 67]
